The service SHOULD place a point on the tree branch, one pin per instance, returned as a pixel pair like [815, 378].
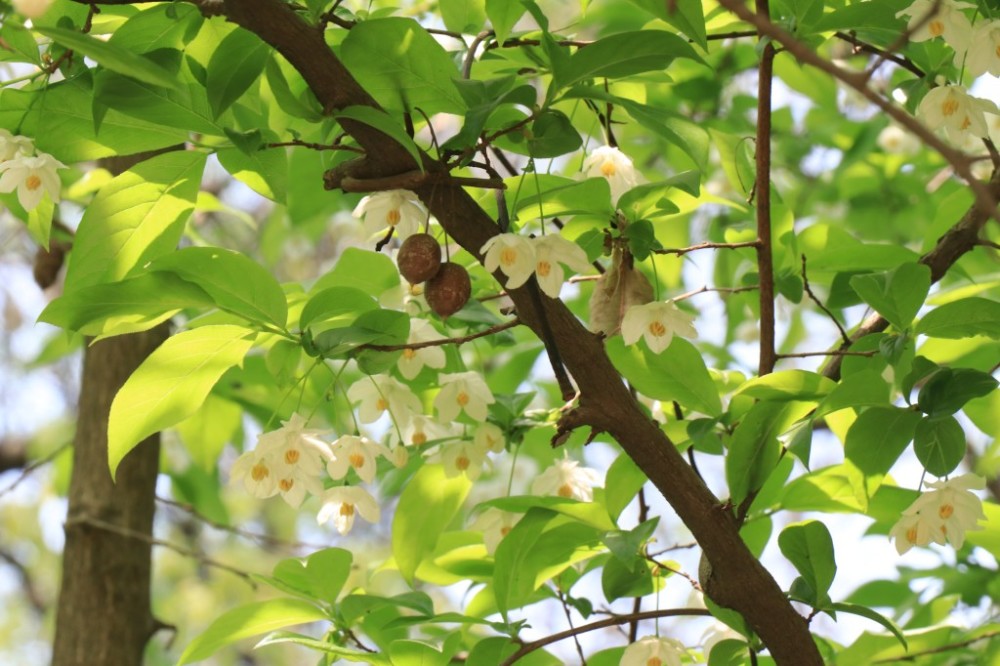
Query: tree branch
[762, 191]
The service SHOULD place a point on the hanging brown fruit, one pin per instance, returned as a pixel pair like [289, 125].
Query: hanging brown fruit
[419, 258]
[449, 290]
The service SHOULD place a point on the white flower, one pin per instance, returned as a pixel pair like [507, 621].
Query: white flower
[381, 394]
[915, 530]
[938, 18]
[297, 458]
[614, 166]
[657, 322]
[461, 457]
[513, 254]
[12, 146]
[423, 429]
[31, 8]
[258, 471]
[398, 456]
[343, 502]
[896, 140]
[400, 209]
[463, 391]
[32, 177]
[716, 633]
[565, 478]
[551, 251]
[495, 524]
[952, 507]
[412, 361]
[984, 49]
[956, 111]
[653, 651]
[357, 453]
[490, 437]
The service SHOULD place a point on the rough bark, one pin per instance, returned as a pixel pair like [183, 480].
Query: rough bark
[104, 614]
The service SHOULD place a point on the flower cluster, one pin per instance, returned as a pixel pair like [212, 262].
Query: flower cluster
[944, 513]
[31, 173]
[519, 257]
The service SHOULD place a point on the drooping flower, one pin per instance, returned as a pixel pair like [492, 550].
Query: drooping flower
[490, 437]
[894, 139]
[915, 530]
[951, 507]
[939, 18]
[495, 524]
[423, 429]
[32, 177]
[412, 361]
[984, 49]
[513, 254]
[357, 453]
[381, 394]
[31, 8]
[463, 391]
[257, 470]
[399, 209]
[653, 651]
[959, 113]
[614, 166]
[12, 146]
[565, 478]
[342, 503]
[552, 251]
[657, 322]
[298, 456]
[461, 457]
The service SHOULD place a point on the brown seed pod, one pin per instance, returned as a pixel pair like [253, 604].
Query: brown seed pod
[449, 290]
[419, 258]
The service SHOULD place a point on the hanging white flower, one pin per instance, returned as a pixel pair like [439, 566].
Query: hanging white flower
[552, 251]
[495, 524]
[513, 254]
[614, 166]
[565, 478]
[461, 457]
[399, 209]
[983, 55]
[357, 453]
[412, 361]
[948, 511]
[939, 18]
[32, 177]
[490, 437]
[657, 322]
[257, 470]
[651, 650]
[957, 112]
[298, 456]
[342, 503]
[894, 139]
[463, 391]
[381, 394]
[12, 146]
[423, 429]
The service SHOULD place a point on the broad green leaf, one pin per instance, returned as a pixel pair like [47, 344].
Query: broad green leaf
[947, 390]
[503, 14]
[407, 652]
[321, 575]
[159, 27]
[861, 257]
[964, 318]
[249, 620]
[589, 513]
[622, 482]
[171, 384]
[237, 62]
[685, 15]
[402, 66]
[40, 221]
[114, 308]
[347, 654]
[678, 373]
[873, 444]
[264, 171]
[136, 217]
[872, 615]
[216, 423]
[552, 134]
[809, 547]
[465, 16]
[372, 272]
[866, 388]
[940, 444]
[427, 504]
[184, 107]
[235, 282]
[788, 385]
[897, 294]
[376, 327]
[385, 124]
[335, 305]
[563, 196]
[112, 57]
[828, 489]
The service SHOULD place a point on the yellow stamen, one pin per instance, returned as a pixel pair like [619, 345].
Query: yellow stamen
[936, 27]
[462, 463]
[462, 399]
[286, 484]
[966, 123]
[508, 256]
[565, 490]
[259, 472]
[911, 534]
[356, 460]
[657, 329]
[392, 217]
[418, 438]
[543, 268]
[608, 168]
[950, 106]
[292, 456]
[409, 353]
[946, 511]
[33, 182]
[382, 404]
[347, 509]
[654, 661]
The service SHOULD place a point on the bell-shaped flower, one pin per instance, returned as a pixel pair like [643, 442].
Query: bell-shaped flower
[32, 177]
[895, 140]
[983, 55]
[953, 504]
[258, 470]
[957, 112]
[412, 361]
[552, 251]
[495, 524]
[423, 429]
[357, 453]
[342, 503]
[490, 437]
[12, 146]
[297, 446]
[614, 166]
[398, 209]
[381, 394]
[939, 18]
[657, 323]
[652, 650]
[461, 457]
[565, 478]
[915, 530]
[463, 391]
[513, 254]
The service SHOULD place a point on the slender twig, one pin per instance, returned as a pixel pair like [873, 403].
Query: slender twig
[805, 285]
[688, 577]
[831, 352]
[912, 656]
[470, 54]
[314, 146]
[29, 469]
[569, 620]
[762, 192]
[706, 290]
[676, 546]
[613, 621]
[865, 47]
[446, 341]
[31, 592]
[681, 251]
[903, 39]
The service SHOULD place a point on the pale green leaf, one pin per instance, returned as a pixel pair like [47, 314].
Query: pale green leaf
[237, 62]
[964, 318]
[385, 124]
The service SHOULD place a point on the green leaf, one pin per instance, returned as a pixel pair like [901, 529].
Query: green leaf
[866, 388]
[427, 504]
[678, 373]
[622, 482]
[963, 318]
[216, 423]
[357, 656]
[335, 305]
[465, 16]
[249, 620]
[40, 221]
[788, 385]
[235, 282]
[136, 217]
[874, 616]
[947, 390]
[236, 63]
[873, 443]
[809, 546]
[897, 294]
[503, 14]
[940, 444]
[321, 575]
[385, 124]
[402, 66]
[371, 272]
[184, 107]
[171, 384]
[563, 196]
[264, 171]
[407, 652]
[112, 57]
[131, 306]
[685, 15]
[159, 27]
